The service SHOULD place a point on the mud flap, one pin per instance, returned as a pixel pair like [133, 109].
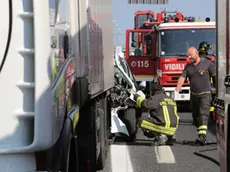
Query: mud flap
[117, 126]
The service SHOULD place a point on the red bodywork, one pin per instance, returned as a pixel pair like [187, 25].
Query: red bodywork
[142, 64]
[159, 18]
[148, 66]
[139, 14]
[171, 70]
[163, 14]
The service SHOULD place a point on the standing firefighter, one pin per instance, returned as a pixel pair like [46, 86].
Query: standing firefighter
[163, 121]
[199, 71]
[204, 48]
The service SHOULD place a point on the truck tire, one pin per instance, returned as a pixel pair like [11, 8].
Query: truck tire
[102, 136]
[109, 108]
[87, 137]
[104, 112]
[68, 160]
[130, 120]
[66, 153]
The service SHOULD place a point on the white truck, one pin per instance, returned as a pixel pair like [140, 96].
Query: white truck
[56, 73]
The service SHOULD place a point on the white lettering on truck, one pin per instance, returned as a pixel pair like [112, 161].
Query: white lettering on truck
[174, 66]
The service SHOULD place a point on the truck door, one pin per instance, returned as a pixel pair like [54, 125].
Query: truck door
[139, 54]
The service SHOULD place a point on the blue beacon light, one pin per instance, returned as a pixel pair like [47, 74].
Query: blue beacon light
[166, 20]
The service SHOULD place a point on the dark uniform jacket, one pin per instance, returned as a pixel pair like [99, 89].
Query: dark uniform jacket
[212, 59]
[162, 109]
[200, 76]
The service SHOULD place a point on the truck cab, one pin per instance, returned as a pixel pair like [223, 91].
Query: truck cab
[172, 42]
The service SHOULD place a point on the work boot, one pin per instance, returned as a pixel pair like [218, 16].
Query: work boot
[161, 140]
[174, 137]
[201, 140]
[149, 134]
[170, 140]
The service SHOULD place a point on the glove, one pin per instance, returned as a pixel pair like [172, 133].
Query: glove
[132, 91]
[135, 96]
[140, 93]
[213, 90]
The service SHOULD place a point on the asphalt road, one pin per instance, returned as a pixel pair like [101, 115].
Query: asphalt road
[143, 157]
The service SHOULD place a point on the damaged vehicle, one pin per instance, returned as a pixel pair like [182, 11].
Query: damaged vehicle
[124, 114]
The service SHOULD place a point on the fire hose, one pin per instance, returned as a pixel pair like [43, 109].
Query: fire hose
[200, 152]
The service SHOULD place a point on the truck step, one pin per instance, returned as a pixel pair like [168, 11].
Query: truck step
[26, 15]
[22, 84]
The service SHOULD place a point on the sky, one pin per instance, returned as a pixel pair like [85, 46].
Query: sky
[123, 13]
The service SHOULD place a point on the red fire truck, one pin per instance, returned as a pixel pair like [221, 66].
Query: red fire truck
[161, 53]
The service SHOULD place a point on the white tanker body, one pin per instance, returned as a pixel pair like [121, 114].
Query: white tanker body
[56, 71]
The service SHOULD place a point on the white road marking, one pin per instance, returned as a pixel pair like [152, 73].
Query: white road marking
[120, 158]
[164, 155]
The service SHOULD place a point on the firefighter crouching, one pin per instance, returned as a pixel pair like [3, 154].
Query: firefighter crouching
[204, 48]
[163, 120]
[199, 71]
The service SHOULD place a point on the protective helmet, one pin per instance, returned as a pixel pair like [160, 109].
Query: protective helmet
[204, 47]
[155, 86]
